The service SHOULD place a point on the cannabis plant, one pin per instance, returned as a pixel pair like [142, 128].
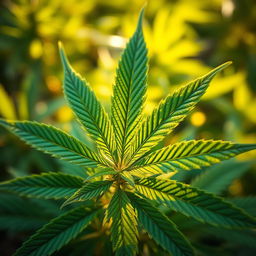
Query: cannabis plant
[130, 177]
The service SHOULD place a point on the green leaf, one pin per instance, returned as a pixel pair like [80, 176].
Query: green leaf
[217, 178]
[124, 231]
[148, 171]
[129, 90]
[46, 185]
[246, 203]
[89, 191]
[170, 113]
[193, 154]
[103, 172]
[128, 177]
[76, 170]
[54, 141]
[87, 108]
[160, 228]
[57, 233]
[195, 203]
[19, 214]
[243, 237]
[20, 223]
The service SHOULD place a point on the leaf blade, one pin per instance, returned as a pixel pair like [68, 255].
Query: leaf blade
[46, 186]
[57, 233]
[127, 177]
[103, 172]
[19, 214]
[124, 231]
[54, 141]
[192, 202]
[129, 90]
[170, 113]
[217, 178]
[248, 204]
[160, 228]
[193, 154]
[87, 108]
[89, 191]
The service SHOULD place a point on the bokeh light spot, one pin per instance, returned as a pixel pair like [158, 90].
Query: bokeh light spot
[198, 118]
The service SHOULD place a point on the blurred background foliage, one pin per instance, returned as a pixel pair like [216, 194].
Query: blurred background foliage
[185, 40]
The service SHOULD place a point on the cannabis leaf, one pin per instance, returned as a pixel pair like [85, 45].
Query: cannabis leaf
[170, 113]
[89, 191]
[126, 174]
[246, 203]
[215, 180]
[129, 91]
[189, 155]
[124, 224]
[195, 203]
[57, 233]
[54, 141]
[162, 229]
[88, 109]
[21, 215]
[46, 185]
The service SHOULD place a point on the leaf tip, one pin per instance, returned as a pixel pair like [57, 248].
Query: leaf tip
[140, 20]
[60, 45]
[216, 70]
[62, 54]
[226, 64]
[222, 66]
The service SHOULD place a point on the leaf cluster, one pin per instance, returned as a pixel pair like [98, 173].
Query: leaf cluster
[130, 179]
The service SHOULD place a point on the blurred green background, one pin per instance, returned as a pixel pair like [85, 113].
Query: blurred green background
[185, 40]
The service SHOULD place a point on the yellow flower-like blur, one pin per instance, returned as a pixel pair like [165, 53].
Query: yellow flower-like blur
[198, 118]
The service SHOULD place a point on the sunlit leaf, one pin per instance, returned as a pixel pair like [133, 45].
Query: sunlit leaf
[87, 108]
[162, 229]
[170, 113]
[203, 206]
[53, 141]
[188, 155]
[123, 224]
[89, 191]
[129, 91]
